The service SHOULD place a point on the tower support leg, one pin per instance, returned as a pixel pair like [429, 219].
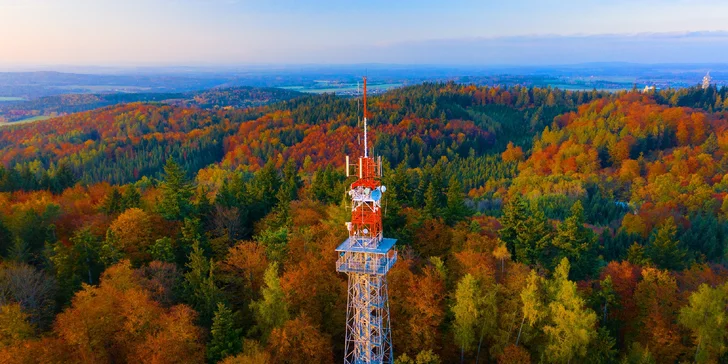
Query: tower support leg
[368, 330]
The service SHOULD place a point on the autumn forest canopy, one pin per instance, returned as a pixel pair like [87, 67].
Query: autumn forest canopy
[533, 225]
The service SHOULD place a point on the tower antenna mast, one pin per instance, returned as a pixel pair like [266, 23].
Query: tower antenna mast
[366, 257]
[366, 146]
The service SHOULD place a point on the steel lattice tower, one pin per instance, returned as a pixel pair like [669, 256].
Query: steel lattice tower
[366, 256]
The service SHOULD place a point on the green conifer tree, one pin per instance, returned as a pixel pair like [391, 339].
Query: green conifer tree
[533, 238]
[199, 284]
[576, 242]
[113, 202]
[78, 262]
[663, 248]
[291, 180]
[162, 250]
[226, 340]
[515, 213]
[131, 198]
[176, 193]
[636, 255]
[456, 209]
[432, 205]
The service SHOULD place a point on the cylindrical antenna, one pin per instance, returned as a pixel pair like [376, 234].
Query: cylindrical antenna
[365, 98]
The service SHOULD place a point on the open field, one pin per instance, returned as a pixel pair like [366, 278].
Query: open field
[28, 120]
[104, 88]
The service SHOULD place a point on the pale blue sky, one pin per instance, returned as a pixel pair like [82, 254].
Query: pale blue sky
[186, 32]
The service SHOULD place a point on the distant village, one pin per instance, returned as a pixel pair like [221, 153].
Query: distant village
[707, 81]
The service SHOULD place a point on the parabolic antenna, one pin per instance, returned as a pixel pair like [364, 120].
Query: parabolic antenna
[376, 195]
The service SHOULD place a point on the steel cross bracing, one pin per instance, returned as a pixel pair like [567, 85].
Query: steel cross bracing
[366, 257]
[368, 331]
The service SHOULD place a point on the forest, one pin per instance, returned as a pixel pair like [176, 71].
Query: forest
[533, 225]
[60, 105]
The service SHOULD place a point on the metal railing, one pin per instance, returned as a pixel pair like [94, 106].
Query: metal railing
[366, 263]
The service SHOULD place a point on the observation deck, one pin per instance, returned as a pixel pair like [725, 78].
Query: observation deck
[354, 258]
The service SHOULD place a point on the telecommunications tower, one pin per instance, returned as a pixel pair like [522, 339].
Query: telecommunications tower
[366, 257]
[706, 81]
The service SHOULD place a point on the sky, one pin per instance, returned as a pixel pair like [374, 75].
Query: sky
[230, 32]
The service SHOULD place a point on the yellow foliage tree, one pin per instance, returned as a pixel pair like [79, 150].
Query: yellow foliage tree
[132, 233]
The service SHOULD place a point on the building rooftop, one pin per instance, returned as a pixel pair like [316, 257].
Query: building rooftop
[384, 246]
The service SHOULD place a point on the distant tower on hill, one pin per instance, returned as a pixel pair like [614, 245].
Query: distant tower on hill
[706, 81]
[366, 256]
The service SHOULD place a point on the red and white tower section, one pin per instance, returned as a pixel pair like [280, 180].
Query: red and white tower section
[366, 257]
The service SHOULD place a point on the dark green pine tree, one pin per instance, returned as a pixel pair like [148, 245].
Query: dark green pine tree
[317, 190]
[225, 340]
[636, 255]
[705, 239]
[225, 196]
[203, 208]
[333, 184]
[432, 203]
[420, 193]
[162, 250]
[113, 202]
[392, 219]
[533, 238]
[663, 248]
[47, 183]
[602, 349]
[398, 184]
[131, 198]
[282, 211]
[515, 213]
[76, 263]
[291, 180]
[615, 247]
[63, 178]
[176, 193]
[264, 187]
[577, 243]
[28, 181]
[456, 209]
[199, 285]
[439, 185]
[193, 233]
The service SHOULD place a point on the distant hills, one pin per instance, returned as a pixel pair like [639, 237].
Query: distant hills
[50, 106]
